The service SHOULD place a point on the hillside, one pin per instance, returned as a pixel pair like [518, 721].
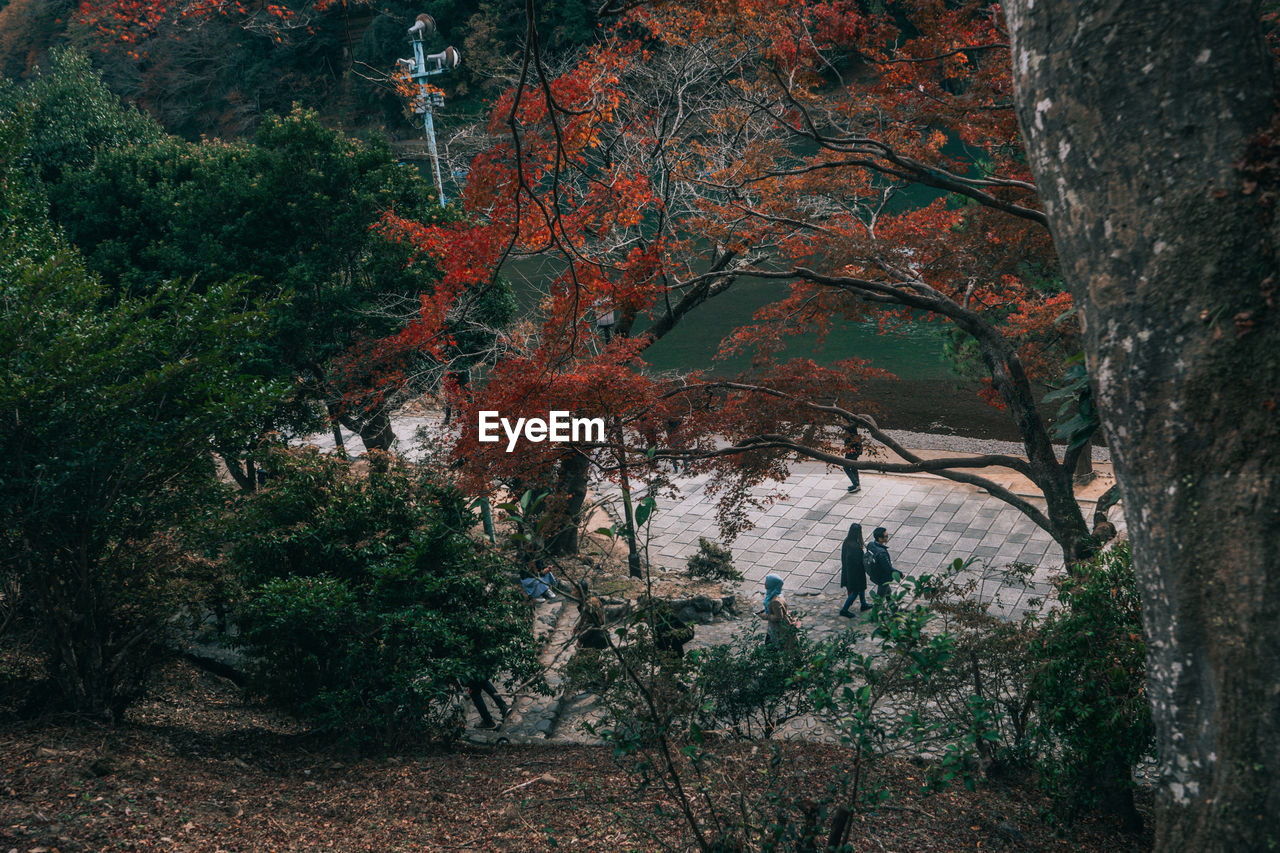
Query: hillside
[195, 769]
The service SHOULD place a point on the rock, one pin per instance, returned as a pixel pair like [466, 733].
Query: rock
[1009, 831]
[689, 613]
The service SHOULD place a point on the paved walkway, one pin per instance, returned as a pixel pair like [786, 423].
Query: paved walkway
[932, 521]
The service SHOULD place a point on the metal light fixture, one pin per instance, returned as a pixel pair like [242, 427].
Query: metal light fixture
[422, 67]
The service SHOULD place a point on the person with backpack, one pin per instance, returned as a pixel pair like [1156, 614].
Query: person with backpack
[879, 567]
[853, 570]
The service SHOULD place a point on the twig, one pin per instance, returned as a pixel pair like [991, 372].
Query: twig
[545, 777]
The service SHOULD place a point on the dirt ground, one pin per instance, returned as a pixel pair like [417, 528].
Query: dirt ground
[195, 769]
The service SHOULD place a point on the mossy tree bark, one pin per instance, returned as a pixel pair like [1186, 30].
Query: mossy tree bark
[1152, 132]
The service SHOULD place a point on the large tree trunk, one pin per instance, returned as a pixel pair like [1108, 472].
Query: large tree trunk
[571, 488]
[1070, 530]
[375, 430]
[1139, 118]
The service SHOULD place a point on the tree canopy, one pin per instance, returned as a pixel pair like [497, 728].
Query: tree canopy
[292, 212]
[866, 161]
[108, 406]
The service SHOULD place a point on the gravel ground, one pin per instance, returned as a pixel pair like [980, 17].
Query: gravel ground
[961, 444]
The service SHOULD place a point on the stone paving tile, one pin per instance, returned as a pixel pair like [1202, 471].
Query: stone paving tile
[933, 521]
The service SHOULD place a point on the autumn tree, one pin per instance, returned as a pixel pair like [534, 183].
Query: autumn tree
[599, 198]
[1152, 132]
[868, 162]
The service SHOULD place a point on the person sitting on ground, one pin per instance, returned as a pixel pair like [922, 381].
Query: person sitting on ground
[670, 632]
[539, 583]
[853, 571]
[591, 618]
[1103, 530]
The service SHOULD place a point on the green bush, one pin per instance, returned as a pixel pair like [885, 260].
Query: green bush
[74, 115]
[108, 405]
[369, 603]
[713, 562]
[892, 699]
[318, 518]
[985, 684]
[1095, 721]
[749, 689]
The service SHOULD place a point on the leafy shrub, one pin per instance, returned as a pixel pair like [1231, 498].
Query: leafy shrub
[981, 693]
[713, 562]
[653, 707]
[886, 700]
[1095, 721]
[749, 689]
[643, 687]
[316, 517]
[369, 602]
[109, 405]
[989, 673]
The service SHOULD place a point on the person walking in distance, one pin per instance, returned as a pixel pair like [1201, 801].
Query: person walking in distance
[879, 567]
[853, 570]
[852, 450]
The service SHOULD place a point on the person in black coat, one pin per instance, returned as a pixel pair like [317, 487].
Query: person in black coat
[476, 688]
[853, 570]
[881, 567]
[852, 451]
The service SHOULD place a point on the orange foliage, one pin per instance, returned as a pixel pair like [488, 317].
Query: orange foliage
[875, 154]
[131, 22]
[866, 156]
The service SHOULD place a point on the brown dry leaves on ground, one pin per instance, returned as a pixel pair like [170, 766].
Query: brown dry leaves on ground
[194, 769]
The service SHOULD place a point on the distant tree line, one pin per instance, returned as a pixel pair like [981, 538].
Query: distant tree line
[221, 74]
